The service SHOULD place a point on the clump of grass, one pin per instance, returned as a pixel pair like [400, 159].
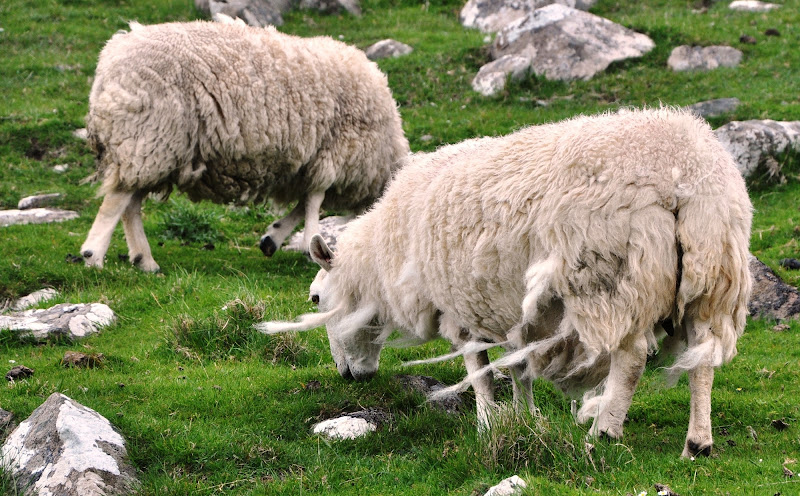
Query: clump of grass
[516, 441]
[228, 334]
[187, 222]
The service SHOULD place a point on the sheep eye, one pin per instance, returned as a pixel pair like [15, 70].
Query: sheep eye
[315, 299]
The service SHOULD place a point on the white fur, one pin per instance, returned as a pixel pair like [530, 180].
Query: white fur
[235, 114]
[561, 241]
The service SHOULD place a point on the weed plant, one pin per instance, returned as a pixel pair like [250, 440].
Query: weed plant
[208, 406]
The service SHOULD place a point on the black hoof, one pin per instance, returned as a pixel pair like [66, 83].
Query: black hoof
[87, 254]
[697, 450]
[268, 247]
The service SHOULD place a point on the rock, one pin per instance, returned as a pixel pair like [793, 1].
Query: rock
[507, 487]
[67, 320]
[35, 216]
[771, 298]
[82, 360]
[258, 13]
[789, 263]
[332, 6]
[66, 449]
[19, 372]
[82, 133]
[491, 16]
[753, 142]
[714, 108]
[565, 44]
[426, 386]
[695, 58]
[202, 6]
[34, 299]
[329, 227]
[37, 201]
[491, 78]
[752, 6]
[353, 425]
[387, 48]
[6, 422]
[60, 168]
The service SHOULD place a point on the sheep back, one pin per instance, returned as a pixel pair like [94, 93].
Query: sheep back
[232, 113]
[592, 201]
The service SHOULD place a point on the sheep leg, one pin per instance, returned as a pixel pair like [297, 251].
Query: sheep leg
[522, 384]
[281, 229]
[699, 439]
[627, 365]
[138, 247]
[313, 205]
[94, 248]
[482, 385]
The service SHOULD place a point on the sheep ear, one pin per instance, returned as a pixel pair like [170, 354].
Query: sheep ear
[320, 252]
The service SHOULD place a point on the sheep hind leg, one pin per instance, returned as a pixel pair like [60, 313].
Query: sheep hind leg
[522, 384]
[95, 247]
[627, 365]
[138, 247]
[699, 439]
[281, 229]
[482, 385]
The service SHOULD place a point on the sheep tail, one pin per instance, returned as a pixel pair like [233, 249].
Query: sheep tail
[469, 347]
[539, 279]
[713, 233]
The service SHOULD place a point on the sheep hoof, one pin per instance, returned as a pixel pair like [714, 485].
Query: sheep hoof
[268, 247]
[145, 265]
[694, 449]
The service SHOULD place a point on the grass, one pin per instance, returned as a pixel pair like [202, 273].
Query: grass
[209, 407]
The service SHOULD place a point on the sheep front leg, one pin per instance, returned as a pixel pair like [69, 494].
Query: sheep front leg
[482, 385]
[138, 247]
[627, 365]
[95, 247]
[281, 229]
[313, 205]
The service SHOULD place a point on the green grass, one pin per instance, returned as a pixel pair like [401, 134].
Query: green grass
[209, 407]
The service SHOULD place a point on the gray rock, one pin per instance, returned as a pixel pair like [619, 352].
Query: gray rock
[752, 6]
[426, 386]
[35, 216]
[202, 6]
[714, 108]
[507, 487]
[756, 143]
[565, 44]
[34, 299]
[344, 427]
[491, 16]
[37, 201]
[491, 78]
[258, 13]
[771, 298]
[67, 320]
[387, 48]
[695, 58]
[66, 449]
[329, 227]
[332, 6]
[6, 423]
[19, 372]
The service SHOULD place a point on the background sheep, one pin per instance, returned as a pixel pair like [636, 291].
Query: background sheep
[230, 113]
[567, 242]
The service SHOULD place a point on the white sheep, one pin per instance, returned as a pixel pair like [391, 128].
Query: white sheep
[566, 243]
[230, 113]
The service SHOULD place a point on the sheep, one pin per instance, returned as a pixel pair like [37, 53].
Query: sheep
[231, 113]
[566, 243]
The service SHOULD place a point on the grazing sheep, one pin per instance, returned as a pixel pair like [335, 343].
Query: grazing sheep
[566, 243]
[230, 113]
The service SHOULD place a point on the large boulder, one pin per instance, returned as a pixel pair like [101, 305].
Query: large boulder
[564, 43]
[714, 108]
[772, 298]
[67, 449]
[491, 16]
[67, 320]
[757, 143]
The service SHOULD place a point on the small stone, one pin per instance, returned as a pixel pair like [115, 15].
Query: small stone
[779, 424]
[507, 487]
[752, 6]
[81, 134]
[19, 372]
[387, 48]
[345, 427]
[37, 201]
[82, 360]
[34, 299]
[665, 490]
[789, 263]
[61, 168]
[35, 216]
